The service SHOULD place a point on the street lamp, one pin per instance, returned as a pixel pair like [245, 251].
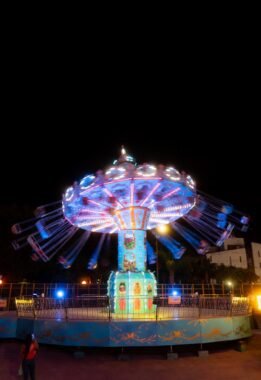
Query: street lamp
[161, 229]
[230, 285]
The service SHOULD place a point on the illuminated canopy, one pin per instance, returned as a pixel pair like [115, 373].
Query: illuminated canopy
[113, 200]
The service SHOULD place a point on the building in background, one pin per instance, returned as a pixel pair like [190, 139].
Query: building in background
[256, 255]
[234, 253]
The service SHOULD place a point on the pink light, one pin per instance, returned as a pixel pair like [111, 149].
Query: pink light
[147, 178]
[131, 194]
[165, 196]
[96, 203]
[111, 195]
[170, 193]
[150, 194]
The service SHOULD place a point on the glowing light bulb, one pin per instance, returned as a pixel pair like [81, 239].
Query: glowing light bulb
[162, 229]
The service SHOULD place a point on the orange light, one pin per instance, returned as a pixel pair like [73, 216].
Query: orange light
[162, 229]
[258, 298]
[84, 282]
[1, 282]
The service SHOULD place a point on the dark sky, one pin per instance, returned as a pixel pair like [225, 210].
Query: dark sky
[66, 113]
[45, 161]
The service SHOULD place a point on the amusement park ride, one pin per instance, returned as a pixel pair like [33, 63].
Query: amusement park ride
[128, 199]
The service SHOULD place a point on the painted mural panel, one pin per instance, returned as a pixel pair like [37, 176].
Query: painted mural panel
[132, 254]
[131, 333]
[7, 327]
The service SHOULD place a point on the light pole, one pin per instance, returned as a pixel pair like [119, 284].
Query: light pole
[161, 229]
[231, 287]
[157, 254]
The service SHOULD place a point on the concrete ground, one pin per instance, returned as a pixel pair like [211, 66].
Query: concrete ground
[57, 363]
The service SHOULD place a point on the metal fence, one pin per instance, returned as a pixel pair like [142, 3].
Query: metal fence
[160, 307]
[80, 293]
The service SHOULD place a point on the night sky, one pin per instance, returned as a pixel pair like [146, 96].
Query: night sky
[62, 121]
[223, 165]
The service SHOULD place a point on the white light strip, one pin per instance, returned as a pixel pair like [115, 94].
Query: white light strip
[144, 174]
[158, 221]
[171, 170]
[179, 207]
[87, 211]
[113, 169]
[68, 197]
[114, 230]
[102, 227]
[161, 215]
[150, 194]
[84, 217]
[93, 223]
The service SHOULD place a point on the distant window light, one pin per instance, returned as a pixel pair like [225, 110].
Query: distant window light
[230, 260]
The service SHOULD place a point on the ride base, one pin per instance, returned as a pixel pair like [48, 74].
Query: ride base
[75, 327]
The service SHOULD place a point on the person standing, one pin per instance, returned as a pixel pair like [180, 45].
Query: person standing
[29, 352]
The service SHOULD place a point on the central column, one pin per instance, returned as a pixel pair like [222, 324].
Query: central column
[132, 287]
[132, 252]
[132, 255]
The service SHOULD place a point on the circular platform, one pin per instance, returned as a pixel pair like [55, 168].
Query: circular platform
[136, 333]
[126, 333]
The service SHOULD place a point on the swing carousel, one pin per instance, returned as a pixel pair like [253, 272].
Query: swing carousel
[128, 200]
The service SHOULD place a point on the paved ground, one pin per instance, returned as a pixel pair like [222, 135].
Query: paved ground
[56, 363]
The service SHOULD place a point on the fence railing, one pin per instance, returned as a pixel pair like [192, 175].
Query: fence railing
[9, 292]
[132, 308]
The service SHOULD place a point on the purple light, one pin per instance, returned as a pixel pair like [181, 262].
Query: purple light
[150, 194]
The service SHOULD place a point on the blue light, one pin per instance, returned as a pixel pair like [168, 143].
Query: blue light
[174, 293]
[60, 294]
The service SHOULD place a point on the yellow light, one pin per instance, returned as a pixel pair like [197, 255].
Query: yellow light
[229, 283]
[258, 298]
[84, 282]
[24, 302]
[162, 229]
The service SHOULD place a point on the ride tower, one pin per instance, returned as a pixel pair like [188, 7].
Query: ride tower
[128, 200]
